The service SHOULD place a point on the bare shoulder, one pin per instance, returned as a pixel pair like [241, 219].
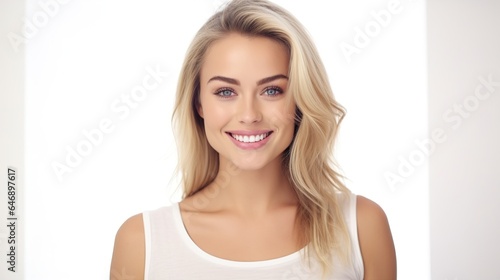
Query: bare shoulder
[129, 250]
[375, 240]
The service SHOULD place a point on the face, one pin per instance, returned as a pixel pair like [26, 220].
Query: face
[243, 100]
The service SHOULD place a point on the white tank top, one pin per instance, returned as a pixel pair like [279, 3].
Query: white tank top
[172, 254]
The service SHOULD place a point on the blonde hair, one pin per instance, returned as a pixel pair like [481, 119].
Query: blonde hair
[309, 158]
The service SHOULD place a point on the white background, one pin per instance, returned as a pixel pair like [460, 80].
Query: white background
[90, 53]
[464, 178]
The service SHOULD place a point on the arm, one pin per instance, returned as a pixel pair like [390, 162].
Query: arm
[375, 240]
[128, 255]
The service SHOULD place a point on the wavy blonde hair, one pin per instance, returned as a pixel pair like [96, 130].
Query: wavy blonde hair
[309, 159]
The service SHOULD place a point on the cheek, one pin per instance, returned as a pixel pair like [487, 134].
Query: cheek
[288, 117]
[214, 116]
[283, 117]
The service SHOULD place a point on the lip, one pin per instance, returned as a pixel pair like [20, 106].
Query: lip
[248, 132]
[249, 146]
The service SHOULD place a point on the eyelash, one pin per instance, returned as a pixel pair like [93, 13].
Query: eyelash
[219, 92]
[278, 90]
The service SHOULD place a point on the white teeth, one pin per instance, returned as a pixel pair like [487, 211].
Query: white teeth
[251, 138]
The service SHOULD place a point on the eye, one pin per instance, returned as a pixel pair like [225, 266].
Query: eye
[224, 92]
[273, 91]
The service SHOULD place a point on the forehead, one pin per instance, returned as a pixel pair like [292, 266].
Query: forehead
[245, 57]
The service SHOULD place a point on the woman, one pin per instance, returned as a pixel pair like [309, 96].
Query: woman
[256, 121]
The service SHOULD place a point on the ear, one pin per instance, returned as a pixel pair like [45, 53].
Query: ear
[197, 102]
[199, 109]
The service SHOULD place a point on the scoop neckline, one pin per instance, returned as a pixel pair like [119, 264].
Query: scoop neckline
[181, 229]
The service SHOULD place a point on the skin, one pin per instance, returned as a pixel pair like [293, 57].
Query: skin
[251, 218]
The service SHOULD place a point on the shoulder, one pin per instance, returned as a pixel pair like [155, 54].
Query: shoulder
[129, 250]
[369, 213]
[375, 240]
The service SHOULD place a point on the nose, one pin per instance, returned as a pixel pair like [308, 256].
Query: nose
[249, 110]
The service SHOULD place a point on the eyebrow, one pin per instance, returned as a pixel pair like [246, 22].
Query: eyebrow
[236, 82]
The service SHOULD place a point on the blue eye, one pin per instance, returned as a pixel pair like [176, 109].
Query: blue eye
[224, 92]
[273, 91]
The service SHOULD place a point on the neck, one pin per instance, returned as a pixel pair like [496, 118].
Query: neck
[251, 192]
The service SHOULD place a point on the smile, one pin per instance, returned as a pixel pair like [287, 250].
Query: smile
[250, 138]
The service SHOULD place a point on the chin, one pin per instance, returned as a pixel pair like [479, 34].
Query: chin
[254, 163]
[245, 165]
